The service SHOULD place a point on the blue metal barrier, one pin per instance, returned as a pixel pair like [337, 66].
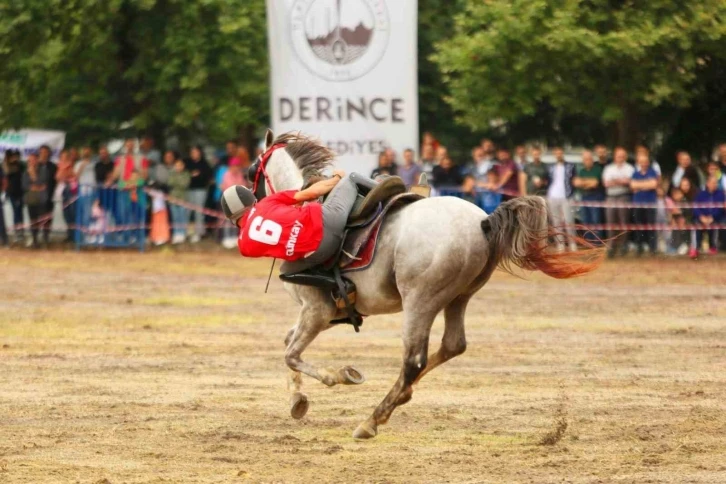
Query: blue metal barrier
[110, 217]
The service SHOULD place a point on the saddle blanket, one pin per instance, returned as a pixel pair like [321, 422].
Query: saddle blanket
[359, 247]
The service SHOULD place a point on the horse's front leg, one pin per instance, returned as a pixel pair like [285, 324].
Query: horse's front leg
[311, 322]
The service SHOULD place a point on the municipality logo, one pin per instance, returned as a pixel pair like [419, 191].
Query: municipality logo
[339, 40]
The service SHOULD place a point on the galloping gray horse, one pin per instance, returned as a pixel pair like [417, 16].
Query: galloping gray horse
[432, 255]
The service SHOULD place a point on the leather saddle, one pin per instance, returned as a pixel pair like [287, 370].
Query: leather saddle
[368, 209]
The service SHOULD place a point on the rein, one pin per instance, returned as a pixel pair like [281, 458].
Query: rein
[260, 171]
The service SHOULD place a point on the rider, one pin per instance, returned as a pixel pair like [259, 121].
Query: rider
[282, 225]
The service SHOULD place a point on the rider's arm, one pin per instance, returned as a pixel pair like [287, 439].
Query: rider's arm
[319, 189]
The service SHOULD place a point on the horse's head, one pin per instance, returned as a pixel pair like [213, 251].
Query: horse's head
[288, 162]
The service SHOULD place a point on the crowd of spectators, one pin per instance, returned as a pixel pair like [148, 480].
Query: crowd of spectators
[113, 190]
[601, 196]
[143, 187]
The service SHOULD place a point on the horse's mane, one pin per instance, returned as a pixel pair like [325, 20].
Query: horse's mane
[310, 156]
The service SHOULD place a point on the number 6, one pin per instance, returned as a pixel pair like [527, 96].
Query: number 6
[265, 231]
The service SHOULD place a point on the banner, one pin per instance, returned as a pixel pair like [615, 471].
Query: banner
[345, 71]
[28, 140]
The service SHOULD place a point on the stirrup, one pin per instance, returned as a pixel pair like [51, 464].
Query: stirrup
[346, 300]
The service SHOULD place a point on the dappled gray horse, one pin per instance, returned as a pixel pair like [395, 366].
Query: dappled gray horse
[432, 255]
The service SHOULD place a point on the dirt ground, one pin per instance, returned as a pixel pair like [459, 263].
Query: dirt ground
[168, 367]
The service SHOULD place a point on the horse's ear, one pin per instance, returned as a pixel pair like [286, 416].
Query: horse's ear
[268, 139]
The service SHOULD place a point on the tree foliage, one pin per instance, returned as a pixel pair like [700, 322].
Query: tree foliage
[611, 60]
[88, 67]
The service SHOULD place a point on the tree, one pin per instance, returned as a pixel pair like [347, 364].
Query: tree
[615, 61]
[188, 67]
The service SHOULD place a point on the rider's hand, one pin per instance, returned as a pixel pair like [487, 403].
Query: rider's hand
[340, 173]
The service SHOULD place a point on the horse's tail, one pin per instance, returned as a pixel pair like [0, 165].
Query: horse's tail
[519, 232]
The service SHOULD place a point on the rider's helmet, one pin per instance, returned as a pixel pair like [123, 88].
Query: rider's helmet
[235, 200]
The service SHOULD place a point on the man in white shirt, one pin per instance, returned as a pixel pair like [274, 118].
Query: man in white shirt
[616, 180]
[558, 194]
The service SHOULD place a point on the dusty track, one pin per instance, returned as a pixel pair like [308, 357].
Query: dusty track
[168, 367]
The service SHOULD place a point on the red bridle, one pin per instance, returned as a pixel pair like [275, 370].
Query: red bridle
[262, 162]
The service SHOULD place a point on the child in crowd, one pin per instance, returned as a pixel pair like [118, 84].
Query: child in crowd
[179, 180]
[680, 238]
[97, 225]
[468, 190]
[489, 198]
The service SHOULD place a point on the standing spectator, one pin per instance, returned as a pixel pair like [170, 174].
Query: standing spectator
[385, 167]
[73, 155]
[479, 166]
[410, 171]
[508, 175]
[148, 151]
[535, 176]
[447, 176]
[36, 180]
[589, 185]
[85, 174]
[104, 167]
[558, 194]
[713, 214]
[104, 171]
[520, 156]
[66, 191]
[232, 177]
[130, 171]
[14, 170]
[130, 162]
[712, 169]
[721, 157]
[179, 180]
[47, 167]
[84, 168]
[616, 179]
[601, 152]
[686, 169]
[428, 162]
[429, 140]
[230, 151]
[641, 149]
[644, 185]
[159, 174]
[489, 150]
[201, 176]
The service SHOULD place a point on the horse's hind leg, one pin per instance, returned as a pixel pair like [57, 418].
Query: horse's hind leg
[416, 330]
[453, 342]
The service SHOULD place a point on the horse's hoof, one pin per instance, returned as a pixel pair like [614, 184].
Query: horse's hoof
[365, 431]
[350, 376]
[299, 405]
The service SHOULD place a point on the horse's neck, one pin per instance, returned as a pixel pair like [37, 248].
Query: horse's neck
[284, 174]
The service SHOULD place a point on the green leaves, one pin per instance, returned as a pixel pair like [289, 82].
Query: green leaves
[581, 56]
[88, 67]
